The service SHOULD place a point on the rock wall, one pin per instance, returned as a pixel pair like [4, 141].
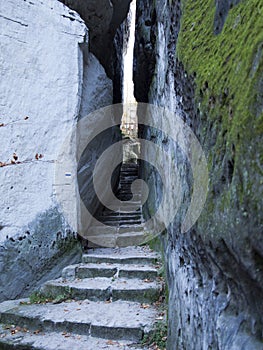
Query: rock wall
[48, 79]
[203, 60]
[104, 19]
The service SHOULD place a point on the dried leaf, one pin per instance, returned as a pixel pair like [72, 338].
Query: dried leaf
[2, 164]
[37, 156]
[147, 280]
[15, 157]
[13, 161]
[145, 306]
[26, 118]
[36, 331]
[111, 342]
[2, 124]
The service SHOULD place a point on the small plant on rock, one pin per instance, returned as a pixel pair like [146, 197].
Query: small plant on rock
[157, 338]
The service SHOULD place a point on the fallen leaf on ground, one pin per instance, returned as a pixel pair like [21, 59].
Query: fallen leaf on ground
[159, 318]
[147, 280]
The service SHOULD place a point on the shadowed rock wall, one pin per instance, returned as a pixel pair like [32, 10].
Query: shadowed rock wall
[204, 62]
[104, 19]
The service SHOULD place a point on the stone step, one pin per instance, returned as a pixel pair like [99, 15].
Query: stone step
[128, 192]
[129, 169]
[114, 320]
[121, 237]
[121, 222]
[129, 197]
[130, 165]
[127, 205]
[116, 219]
[126, 188]
[12, 339]
[109, 270]
[127, 180]
[131, 215]
[102, 289]
[123, 257]
[128, 177]
[128, 174]
[111, 230]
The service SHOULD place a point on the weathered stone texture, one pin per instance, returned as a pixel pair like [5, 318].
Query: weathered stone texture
[214, 271]
[43, 78]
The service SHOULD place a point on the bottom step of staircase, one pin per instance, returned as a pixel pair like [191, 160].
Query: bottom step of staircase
[14, 339]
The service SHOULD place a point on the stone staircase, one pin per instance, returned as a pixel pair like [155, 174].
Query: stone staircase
[105, 302]
[128, 174]
[124, 224]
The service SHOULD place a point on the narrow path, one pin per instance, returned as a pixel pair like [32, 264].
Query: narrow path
[122, 226]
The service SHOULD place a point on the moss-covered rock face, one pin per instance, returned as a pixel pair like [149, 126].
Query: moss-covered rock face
[228, 92]
[209, 69]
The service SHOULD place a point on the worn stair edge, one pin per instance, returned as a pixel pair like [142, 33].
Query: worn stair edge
[99, 289]
[118, 321]
[55, 341]
[138, 260]
[117, 239]
[102, 229]
[109, 270]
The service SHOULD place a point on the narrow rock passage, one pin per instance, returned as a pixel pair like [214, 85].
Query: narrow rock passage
[105, 302]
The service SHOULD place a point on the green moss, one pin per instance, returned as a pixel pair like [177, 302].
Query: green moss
[227, 66]
[157, 339]
[227, 70]
[39, 298]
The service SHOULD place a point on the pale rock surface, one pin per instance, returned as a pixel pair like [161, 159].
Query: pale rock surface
[42, 72]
